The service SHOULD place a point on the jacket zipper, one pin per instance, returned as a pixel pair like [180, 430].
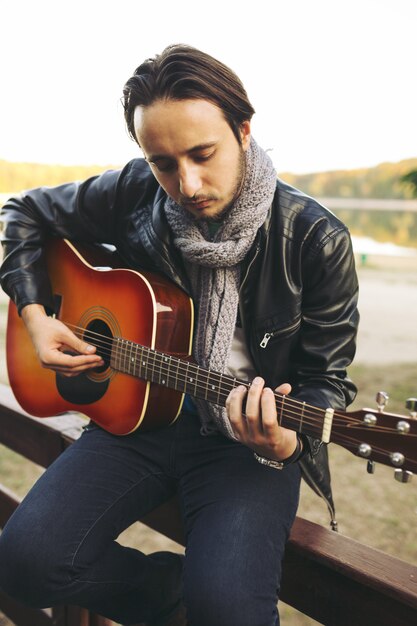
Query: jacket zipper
[267, 336]
[258, 247]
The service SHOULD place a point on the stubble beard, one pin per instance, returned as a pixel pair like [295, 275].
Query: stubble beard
[240, 178]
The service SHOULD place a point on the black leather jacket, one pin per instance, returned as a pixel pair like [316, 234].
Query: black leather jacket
[298, 294]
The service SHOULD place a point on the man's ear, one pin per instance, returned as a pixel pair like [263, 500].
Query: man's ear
[245, 134]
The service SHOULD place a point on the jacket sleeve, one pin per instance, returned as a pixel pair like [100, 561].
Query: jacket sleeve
[327, 339]
[79, 211]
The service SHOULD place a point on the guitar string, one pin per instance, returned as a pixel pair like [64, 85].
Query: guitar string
[296, 419]
[123, 351]
[309, 411]
[231, 382]
[352, 445]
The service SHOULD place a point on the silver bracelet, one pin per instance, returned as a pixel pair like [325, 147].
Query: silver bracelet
[269, 462]
[279, 465]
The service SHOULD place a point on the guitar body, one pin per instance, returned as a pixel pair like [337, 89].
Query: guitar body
[107, 302]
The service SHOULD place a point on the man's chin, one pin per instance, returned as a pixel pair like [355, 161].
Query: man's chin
[207, 211]
[214, 213]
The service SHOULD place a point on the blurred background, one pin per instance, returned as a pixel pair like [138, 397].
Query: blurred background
[333, 85]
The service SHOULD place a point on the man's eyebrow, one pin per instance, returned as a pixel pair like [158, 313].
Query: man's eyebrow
[197, 148]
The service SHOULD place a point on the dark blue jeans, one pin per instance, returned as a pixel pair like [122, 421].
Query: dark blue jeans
[60, 546]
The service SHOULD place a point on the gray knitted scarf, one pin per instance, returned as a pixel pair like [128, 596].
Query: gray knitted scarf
[213, 268]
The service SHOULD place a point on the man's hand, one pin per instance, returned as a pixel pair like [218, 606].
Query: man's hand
[258, 429]
[52, 339]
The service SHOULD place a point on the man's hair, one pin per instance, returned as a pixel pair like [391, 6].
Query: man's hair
[182, 72]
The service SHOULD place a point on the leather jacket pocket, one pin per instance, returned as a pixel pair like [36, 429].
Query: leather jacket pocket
[278, 333]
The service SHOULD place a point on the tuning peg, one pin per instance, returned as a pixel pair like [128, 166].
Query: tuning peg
[382, 400]
[370, 467]
[411, 405]
[403, 476]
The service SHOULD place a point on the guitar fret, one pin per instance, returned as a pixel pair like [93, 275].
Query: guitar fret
[281, 413]
[176, 374]
[206, 386]
[132, 357]
[145, 364]
[300, 427]
[197, 374]
[125, 360]
[129, 357]
[213, 396]
[212, 389]
[152, 367]
[137, 361]
[165, 375]
[159, 371]
[123, 355]
[219, 388]
[119, 354]
[115, 353]
[173, 373]
[186, 377]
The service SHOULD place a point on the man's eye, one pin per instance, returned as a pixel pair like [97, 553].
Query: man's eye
[199, 158]
[164, 166]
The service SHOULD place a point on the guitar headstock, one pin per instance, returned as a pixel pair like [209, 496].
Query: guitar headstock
[374, 435]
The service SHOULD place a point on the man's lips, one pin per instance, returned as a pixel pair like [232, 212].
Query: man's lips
[199, 205]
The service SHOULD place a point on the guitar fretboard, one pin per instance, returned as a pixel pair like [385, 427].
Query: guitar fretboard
[187, 377]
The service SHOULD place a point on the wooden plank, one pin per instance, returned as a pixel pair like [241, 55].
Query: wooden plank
[29, 439]
[334, 599]
[166, 519]
[9, 501]
[76, 616]
[368, 566]
[39, 440]
[336, 580]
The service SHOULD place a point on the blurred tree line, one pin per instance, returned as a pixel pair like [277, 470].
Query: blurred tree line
[16, 177]
[387, 180]
[410, 179]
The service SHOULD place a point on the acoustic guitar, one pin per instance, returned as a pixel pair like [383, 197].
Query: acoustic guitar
[142, 326]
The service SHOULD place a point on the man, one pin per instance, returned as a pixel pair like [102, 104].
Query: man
[272, 277]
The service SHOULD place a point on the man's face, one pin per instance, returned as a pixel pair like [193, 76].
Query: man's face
[193, 153]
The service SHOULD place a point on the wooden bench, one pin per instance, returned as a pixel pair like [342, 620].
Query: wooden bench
[335, 580]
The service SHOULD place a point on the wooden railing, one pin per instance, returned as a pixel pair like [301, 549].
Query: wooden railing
[333, 579]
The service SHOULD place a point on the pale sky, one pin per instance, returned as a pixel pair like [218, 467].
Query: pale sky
[333, 82]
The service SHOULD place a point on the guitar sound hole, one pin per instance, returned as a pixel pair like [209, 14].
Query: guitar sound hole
[98, 334]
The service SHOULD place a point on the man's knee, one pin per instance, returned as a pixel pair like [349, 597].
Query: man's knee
[214, 603]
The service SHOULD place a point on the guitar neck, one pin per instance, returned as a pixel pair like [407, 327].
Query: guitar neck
[187, 377]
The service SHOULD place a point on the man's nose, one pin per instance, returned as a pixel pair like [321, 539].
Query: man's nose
[189, 181]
